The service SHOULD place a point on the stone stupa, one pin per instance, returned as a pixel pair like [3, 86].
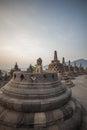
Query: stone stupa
[55, 65]
[38, 101]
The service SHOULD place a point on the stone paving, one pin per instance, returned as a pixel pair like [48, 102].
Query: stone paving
[80, 90]
[80, 93]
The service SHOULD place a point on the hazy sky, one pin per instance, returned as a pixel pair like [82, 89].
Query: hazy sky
[35, 28]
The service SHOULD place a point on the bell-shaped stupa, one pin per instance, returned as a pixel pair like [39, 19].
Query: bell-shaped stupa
[38, 101]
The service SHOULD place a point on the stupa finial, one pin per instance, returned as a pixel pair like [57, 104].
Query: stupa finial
[63, 60]
[55, 56]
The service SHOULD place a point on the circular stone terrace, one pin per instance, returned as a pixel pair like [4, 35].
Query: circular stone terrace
[38, 101]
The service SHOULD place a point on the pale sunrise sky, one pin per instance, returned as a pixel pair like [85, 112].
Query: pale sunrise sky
[30, 29]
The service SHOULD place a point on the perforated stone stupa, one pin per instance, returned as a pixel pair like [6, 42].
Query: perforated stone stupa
[55, 65]
[37, 101]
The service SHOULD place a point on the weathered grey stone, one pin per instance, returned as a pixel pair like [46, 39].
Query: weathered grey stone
[37, 101]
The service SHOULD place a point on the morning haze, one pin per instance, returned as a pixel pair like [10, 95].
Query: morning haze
[35, 28]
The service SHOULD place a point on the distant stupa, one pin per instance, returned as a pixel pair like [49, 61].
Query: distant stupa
[55, 65]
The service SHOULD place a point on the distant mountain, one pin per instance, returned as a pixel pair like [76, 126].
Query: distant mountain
[80, 61]
[45, 67]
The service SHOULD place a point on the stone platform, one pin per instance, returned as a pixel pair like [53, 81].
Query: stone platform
[38, 101]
